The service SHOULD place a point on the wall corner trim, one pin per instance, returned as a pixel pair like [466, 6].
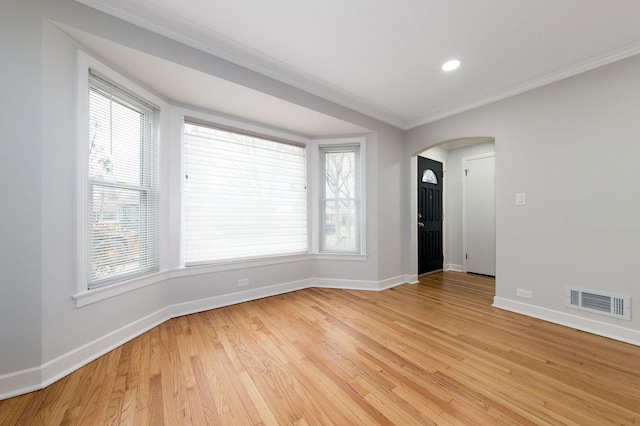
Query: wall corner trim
[453, 267]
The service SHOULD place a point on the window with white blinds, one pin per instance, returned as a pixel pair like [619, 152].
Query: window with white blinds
[244, 196]
[122, 185]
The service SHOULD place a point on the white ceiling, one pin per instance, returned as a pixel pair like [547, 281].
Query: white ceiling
[185, 86]
[383, 57]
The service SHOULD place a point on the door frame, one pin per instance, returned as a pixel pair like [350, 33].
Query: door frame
[412, 257]
[464, 205]
[442, 208]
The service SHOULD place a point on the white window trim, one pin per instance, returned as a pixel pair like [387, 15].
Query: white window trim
[171, 235]
[317, 144]
[100, 293]
[86, 62]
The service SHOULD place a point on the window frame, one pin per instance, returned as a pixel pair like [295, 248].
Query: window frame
[178, 115]
[128, 280]
[358, 145]
[260, 136]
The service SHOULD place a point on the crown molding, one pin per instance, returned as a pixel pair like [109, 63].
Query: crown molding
[593, 60]
[236, 53]
[241, 55]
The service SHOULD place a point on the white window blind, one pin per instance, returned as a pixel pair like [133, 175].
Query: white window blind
[122, 199]
[340, 203]
[244, 197]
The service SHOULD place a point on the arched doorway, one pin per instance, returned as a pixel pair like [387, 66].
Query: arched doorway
[451, 154]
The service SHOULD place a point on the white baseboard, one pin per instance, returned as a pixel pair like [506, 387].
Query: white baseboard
[20, 382]
[599, 328]
[453, 267]
[61, 366]
[214, 302]
[32, 379]
[389, 283]
[37, 378]
[411, 279]
[358, 284]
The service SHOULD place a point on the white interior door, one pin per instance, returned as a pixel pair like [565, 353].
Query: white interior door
[479, 214]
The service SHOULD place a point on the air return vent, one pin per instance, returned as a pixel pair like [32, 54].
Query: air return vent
[612, 305]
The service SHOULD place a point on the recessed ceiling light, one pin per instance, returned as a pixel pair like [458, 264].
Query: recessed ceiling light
[451, 65]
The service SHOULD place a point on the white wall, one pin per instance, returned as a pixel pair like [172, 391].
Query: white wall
[573, 148]
[44, 334]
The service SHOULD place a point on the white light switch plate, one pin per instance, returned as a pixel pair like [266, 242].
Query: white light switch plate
[520, 199]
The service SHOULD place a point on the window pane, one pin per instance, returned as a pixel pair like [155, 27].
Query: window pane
[114, 140]
[117, 230]
[428, 176]
[245, 197]
[341, 226]
[340, 179]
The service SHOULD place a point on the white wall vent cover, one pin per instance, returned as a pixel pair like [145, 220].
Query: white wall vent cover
[612, 305]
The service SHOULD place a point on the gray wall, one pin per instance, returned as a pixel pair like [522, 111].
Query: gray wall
[562, 145]
[20, 187]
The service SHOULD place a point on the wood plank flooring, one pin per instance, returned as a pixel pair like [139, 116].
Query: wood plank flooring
[432, 353]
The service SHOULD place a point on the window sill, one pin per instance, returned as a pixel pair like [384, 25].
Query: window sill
[230, 265]
[212, 267]
[340, 256]
[95, 295]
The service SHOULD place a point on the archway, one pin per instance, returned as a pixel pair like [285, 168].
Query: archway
[451, 154]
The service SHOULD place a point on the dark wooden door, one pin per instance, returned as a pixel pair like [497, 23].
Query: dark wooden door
[429, 215]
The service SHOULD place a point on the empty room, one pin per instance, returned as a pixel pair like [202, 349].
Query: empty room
[337, 212]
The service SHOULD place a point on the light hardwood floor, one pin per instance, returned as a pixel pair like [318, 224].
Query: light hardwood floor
[432, 353]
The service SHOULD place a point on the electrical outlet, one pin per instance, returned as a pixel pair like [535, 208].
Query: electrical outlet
[527, 294]
[243, 282]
